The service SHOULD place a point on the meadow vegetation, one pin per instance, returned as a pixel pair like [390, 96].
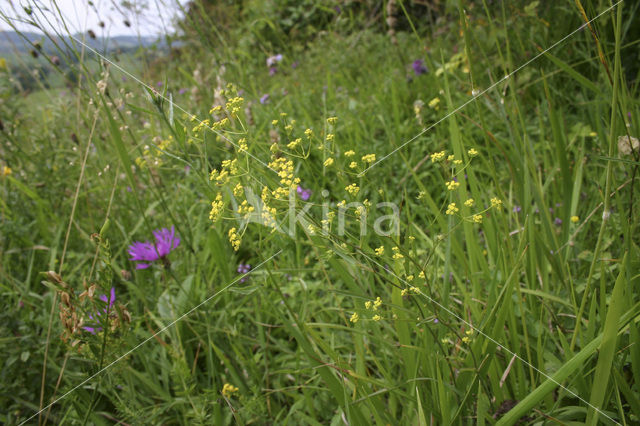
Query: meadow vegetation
[341, 212]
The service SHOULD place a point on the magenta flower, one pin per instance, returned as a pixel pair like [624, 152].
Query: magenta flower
[419, 67]
[166, 241]
[94, 321]
[304, 194]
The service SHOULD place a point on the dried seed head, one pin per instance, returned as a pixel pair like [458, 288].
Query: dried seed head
[628, 144]
[64, 297]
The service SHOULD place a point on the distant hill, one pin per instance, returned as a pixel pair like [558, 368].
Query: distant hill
[11, 41]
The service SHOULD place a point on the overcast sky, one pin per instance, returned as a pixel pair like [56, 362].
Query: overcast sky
[147, 17]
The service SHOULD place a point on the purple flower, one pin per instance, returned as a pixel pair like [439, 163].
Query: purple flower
[304, 194]
[110, 302]
[419, 67]
[272, 60]
[273, 71]
[243, 269]
[159, 84]
[166, 240]
[264, 98]
[295, 65]
[182, 91]
[557, 221]
[517, 209]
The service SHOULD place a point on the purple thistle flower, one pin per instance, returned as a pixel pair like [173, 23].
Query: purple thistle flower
[304, 194]
[419, 67]
[110, 302]
[273, 71]
[558, 221]
[264, 98]
[166, 241]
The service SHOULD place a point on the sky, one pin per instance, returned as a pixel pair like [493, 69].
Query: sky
[147, 17]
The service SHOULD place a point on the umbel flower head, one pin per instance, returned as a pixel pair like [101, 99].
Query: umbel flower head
[166, 241]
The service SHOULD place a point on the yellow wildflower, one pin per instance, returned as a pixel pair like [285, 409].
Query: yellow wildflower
[332, 120]
[477, 218]
[377, 303]
[452, 184]
[496, 202]
[369, 158]
[469, 202]
[438, 156]
[452, 209]
[350, 153]
[575, 219]
[434, 103]
[376, 317]
[228, 390]
[353, 165]
[328, 162]
[354, 318]
[6, 171]
[352, 189]
[380, 251]
[472, 152]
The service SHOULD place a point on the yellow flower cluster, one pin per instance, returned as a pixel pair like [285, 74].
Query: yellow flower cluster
[434, 103]
[242, 145]
[496, 202]
[406, 291]
[469, 202]
[438, 156]
[352, 189]
[228, 168]
[234, 239]
[234, 104]
[284, 169]
[332, 120]
[294, 144]
[575, 219]
[452, 209]
[350, 153]
[216, 208]
[228, 390]
[6, 171]
[328, 162]
[152, 155]
[396, 253]
[369, 158]
[452, 184]
[379, 251]
[245, 209]
[354, 318]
